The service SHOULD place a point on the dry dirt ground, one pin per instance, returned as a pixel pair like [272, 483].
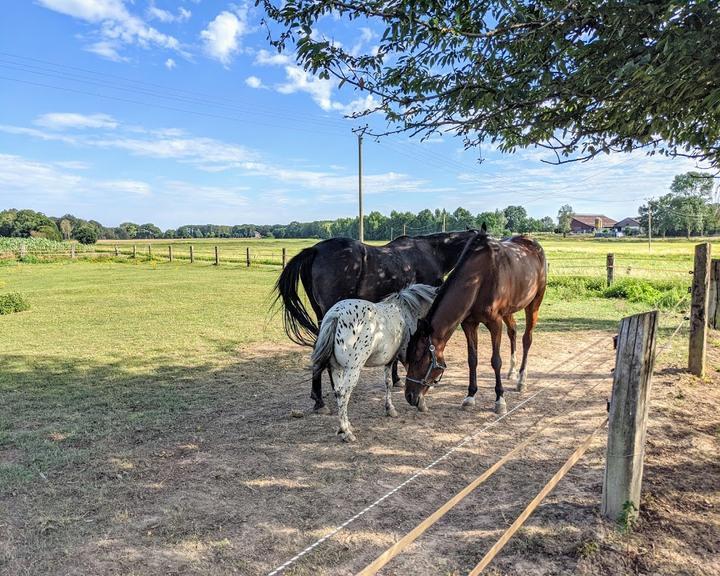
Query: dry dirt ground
[245, 484]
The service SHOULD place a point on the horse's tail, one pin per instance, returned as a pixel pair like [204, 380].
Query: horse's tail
[299, 325]
[325, 344]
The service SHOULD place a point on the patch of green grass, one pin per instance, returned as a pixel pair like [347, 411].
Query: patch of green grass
[13, 302]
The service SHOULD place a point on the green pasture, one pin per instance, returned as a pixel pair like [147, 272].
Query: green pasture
[112, 346]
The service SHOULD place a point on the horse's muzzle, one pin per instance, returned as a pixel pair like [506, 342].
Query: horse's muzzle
[412, 396]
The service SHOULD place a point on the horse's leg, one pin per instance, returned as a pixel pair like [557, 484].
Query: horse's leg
[495, 327]
[512, 335]
[531, 317]
[344, 383]
[389, 408]
[395, 376]
[316, 393]
[470, 329]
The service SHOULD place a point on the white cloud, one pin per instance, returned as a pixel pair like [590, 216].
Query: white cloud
[33, 179]
[298, 80]
[265, 58]
[320, 90]
[170, 64]
[156, 13]
[64, 120]
[221, 39]
[212, 155]
[117, 26]
[254, 82]
[205, 153]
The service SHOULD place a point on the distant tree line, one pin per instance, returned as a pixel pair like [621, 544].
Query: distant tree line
[513, 219]
[690, 208]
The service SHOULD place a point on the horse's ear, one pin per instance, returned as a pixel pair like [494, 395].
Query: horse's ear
[483, 228]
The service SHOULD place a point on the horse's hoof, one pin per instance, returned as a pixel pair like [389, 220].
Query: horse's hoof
[398, 384]
[422, 405]
[322, 410]
[468, 403]
[348, 437]
[500, 407]
[391, 412]
[521, 385]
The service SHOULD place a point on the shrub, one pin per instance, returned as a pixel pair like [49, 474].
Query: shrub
[86, 234]
[13, 302]
[657, 294]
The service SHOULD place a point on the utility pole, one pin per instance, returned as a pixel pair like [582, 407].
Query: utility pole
[361, 228]
[443, 221]
[404, 229]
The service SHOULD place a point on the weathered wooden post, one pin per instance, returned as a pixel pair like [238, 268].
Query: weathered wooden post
[284, 258]
[610, 265]
[134, 254]
[628, 415]
[699, 309]
[714, 298]
[23, 250]
[149, 252]
[217, 256]
[117, 251]
[72, 251]
[170, 253]
[247, 256]
[192, 254]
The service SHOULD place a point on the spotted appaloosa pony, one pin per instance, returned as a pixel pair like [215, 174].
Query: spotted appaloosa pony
[341, 268]
[492, 281]
[356, 333]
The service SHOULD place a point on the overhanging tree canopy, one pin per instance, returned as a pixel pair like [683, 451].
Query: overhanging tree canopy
[577, 77]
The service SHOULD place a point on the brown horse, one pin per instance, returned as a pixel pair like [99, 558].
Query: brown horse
[492, 281]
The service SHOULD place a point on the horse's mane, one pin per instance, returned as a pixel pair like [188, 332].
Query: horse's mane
[414, 298]
[480, 240]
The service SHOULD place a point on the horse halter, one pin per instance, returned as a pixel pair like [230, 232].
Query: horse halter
[433, 365]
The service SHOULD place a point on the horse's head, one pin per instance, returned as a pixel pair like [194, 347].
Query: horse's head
[425, 364]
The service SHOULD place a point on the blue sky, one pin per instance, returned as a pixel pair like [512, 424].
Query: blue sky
[180, 112]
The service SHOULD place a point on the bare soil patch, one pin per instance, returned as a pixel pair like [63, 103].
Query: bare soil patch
[238, 484]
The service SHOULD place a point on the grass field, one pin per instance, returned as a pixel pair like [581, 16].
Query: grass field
[116, 355]
[131, 328]
[665, 259]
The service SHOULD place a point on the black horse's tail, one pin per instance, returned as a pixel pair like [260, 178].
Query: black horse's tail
[299, 325]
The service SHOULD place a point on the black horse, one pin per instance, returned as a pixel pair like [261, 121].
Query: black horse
[342, 268]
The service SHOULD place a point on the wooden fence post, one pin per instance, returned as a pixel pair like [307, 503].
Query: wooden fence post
[610, 265]
[714, 298]
[117, 251]
[72, 251]
[134, 254]
[192, 254]
[628, 415]
[699, 309]
[217, 256]
[23, 250]
[170, 253]
[284, 258]
[247, 256]
[149, 251]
